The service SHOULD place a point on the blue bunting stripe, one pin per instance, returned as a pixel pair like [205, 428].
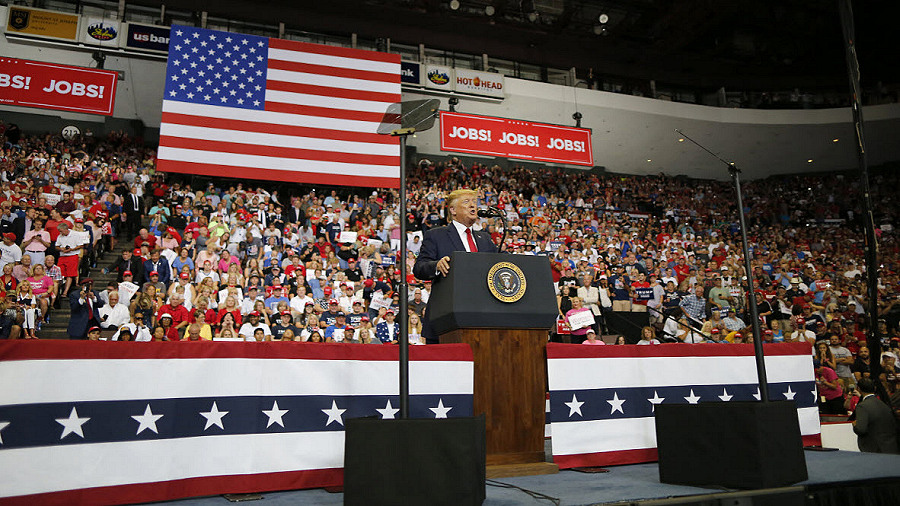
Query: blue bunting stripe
[638, 402]
[67, 423]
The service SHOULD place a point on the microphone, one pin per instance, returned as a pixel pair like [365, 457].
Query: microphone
[489, 212]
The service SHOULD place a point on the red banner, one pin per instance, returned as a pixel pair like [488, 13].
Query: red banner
[55, 86]
[484, 135]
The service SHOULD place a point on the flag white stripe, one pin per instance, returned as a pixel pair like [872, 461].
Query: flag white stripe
[112, 380]
[280, 141]
[41, 470]
[347, 104]
[594, 436]
[349, 83]
[581, 373]
[341, 62]
[276, 163]
[268, 117]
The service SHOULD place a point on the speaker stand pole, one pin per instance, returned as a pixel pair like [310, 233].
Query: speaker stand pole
[748, 267]
[403, 317]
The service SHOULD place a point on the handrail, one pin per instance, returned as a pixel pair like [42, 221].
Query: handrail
[666, 318]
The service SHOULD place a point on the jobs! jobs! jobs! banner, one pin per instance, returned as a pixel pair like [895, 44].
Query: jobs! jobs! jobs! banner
[54, 86]
[484, 135]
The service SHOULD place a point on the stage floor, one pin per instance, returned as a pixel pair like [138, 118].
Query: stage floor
[622, 483]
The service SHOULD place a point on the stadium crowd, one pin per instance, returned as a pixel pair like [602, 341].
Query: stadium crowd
[245, 263]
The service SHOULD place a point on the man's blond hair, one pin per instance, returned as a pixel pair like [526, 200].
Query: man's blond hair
[458, 194]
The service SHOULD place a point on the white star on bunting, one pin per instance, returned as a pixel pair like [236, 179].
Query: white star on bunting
[616, 404]
[388, 412]
[214, 417]
[440, 411]
[725, 396]
[275, 415]
[789, 395]
[334, 414]
[72, 425]
[575, 406]
[3, 425]
[692, 399]
[147, 420]
[655, 400]
[757, 395]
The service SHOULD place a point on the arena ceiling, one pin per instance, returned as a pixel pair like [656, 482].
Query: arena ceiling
[758, 45]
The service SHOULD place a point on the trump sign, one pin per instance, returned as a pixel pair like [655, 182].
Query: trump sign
[53, 86]
[525, 140]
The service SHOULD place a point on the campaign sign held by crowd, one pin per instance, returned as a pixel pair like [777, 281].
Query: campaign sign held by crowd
[54, 86]
[525, 140]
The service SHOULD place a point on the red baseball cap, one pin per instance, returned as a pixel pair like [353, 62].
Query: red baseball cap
[127, 273]
[332, 301]
[137, 251]
[185, 275]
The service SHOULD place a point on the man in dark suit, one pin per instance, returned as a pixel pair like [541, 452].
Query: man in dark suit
[133, 206]
[129, 261]
[85, 310]
[875, 425]
[24, 224]
[433, 261]
[159, 266]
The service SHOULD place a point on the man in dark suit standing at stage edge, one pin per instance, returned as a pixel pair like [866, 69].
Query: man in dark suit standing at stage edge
[433, 261]
[875, 426]
[133, 205]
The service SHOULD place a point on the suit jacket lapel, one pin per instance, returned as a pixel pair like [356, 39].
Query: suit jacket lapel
[454, 238]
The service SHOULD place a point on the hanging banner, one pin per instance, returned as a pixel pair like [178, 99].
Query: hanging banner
[53, 86]
[410, 73]
[147, 37]
[509, 138]
[100, 32]
[439, 77]
[489, 84]
[42, 23]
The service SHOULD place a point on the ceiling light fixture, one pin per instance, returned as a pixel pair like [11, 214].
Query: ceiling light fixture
[489, 10]
[603, 18]
[454, 4]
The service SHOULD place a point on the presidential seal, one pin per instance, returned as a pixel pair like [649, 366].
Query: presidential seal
[506, 282]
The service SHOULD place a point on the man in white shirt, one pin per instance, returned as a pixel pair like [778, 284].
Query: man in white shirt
[68, 244]
[253, 323]
[114, 314]
[10, 252]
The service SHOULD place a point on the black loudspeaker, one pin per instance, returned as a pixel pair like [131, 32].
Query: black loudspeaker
[627, 324]
[745, 445]
[414, 461]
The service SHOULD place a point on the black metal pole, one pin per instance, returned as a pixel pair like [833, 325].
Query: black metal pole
[873, 340]
[751, 294]
[403, 317]
[748, 266]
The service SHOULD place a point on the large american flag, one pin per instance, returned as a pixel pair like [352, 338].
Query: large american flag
[113, 423]
[602, 398]
[255, 107]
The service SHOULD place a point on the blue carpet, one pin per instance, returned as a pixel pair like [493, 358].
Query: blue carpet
[622, 483]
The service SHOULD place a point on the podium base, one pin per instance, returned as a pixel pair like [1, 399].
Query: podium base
[513, 470]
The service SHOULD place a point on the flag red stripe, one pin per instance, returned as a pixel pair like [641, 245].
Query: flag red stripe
[278, 152]
[345, 52]
[559, 350]
[325, 112]
[324, 70]
[328, 91]
[614, 458]
[53, 349]
[188, 487]
[288, 176]
[269, 128]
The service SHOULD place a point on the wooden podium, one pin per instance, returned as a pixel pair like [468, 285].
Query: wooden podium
[508, 340]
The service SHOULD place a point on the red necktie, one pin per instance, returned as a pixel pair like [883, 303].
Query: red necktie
[472, 247]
